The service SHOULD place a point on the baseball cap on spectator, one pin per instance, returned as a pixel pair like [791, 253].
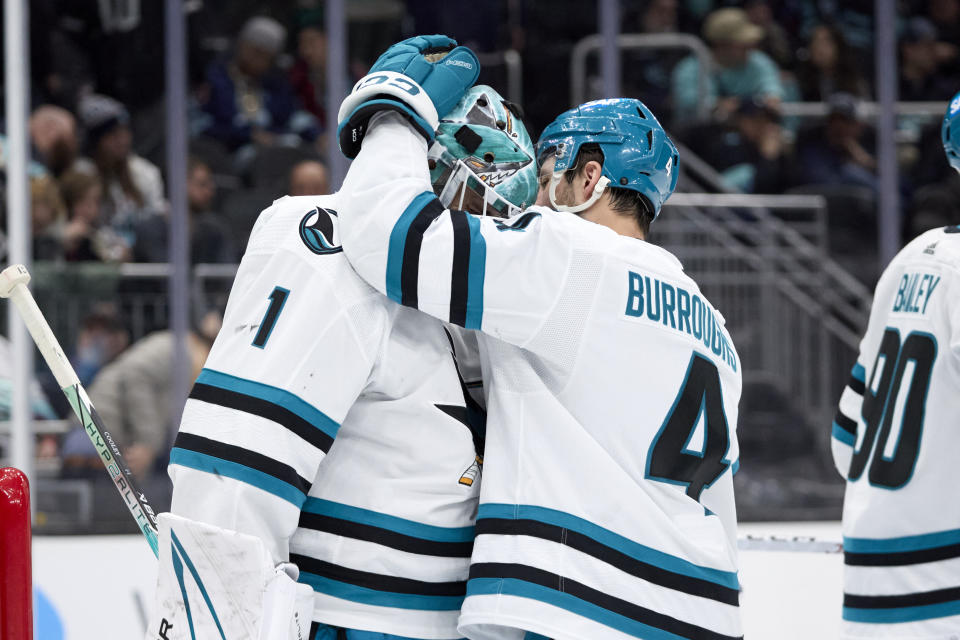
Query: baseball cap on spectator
[731, 25]
[757, 106]
[919, 29]
[100, 115]
[264, 33]
[844, 104]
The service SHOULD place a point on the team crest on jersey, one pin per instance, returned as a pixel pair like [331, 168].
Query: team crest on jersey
[320, 231]
[472, 474]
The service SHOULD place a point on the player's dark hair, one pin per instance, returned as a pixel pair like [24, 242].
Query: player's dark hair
[626, 201]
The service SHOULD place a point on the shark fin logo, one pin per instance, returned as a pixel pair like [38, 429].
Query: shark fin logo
[320, 231]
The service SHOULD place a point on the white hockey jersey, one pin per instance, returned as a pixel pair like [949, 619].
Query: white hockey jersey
[606, 509]
[896, 440]
[312, 360]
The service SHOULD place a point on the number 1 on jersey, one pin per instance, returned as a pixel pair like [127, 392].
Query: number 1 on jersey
[669, 458]
[277, 299]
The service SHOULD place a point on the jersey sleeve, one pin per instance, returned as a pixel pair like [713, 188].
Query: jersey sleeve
[848, 423]
[501, 277]
[284, 371]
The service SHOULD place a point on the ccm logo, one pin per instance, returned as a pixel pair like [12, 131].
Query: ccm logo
[459, 63]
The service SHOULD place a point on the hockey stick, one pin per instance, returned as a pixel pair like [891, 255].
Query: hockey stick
[795, 544]
[13, 285]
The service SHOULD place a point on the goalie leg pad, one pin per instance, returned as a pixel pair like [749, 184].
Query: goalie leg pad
[216, 583]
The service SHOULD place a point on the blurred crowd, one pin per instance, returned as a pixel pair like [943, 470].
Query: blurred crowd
[257, 108]
[259, 127]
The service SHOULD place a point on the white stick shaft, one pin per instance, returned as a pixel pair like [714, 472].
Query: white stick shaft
[800, 544]
[43, 336]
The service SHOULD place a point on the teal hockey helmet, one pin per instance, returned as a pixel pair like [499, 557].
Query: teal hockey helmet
[637, 153]
[482, 150]
[950, 132]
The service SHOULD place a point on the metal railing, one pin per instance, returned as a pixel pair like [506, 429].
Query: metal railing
[668, 41]
[628, 41]
[68, 292]
[795, 317]
[865, 109]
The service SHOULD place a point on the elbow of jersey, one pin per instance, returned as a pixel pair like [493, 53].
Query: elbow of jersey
[352, 130]
[842, 456]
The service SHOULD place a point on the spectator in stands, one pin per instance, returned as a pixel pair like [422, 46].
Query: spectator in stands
[775, 43]
[53, 134]
[749, 151]
[836, 152]
[828, 65]
[934, 205]
[919, 64]
[309, 178]
[39, 406]
[134, 395]
[210, 239]
[132, 186]
[101, 339]
[741, 71]
[309, 70]
[946, 15]
[649, 69]
[47, 218]
[82, 195]
[249, 100]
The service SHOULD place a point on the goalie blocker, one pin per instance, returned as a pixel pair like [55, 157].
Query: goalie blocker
[216, 583]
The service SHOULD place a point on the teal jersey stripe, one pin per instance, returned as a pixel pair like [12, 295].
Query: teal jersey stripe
[906, 543]
[901, 614]
[859, 372]
[398, 241]
[476, 274]
[377, 598]
[196, 576]
[735, 467]
[253, 477]
[843, 435]
[274, 395]
[573, 604]
[385, 521]
[609, 538]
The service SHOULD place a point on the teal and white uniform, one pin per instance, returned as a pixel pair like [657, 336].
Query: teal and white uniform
[607, 508]
[896, 441]
[332, 423]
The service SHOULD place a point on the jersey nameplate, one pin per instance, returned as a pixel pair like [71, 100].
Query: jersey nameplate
[677, 308]
[914, 292]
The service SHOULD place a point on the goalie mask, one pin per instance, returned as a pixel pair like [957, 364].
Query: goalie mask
[482, 160]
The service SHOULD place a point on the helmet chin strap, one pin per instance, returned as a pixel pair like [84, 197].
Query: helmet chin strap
[597, 192]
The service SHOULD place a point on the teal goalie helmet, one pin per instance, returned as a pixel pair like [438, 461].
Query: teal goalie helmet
[482, 159]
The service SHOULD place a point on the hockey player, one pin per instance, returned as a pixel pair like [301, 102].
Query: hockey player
[607, 504]
[895, 440]
[379, 535]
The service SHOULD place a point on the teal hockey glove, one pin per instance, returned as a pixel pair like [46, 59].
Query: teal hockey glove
[421, 78]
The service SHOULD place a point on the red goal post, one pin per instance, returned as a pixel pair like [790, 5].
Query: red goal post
[16, 590]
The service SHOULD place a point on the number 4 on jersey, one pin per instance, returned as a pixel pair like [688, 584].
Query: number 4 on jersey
[700, 399]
